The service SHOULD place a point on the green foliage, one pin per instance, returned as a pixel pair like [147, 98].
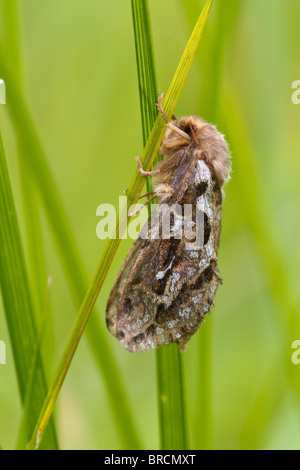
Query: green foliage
[18, 306]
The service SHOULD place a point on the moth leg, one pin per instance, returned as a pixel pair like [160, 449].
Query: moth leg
[131, 214]
[169, 125]
[146, 194]
[143, 172]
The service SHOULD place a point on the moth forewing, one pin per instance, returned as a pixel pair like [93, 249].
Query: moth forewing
[167, 284]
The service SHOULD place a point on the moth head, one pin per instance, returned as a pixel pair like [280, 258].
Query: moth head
[192, 134]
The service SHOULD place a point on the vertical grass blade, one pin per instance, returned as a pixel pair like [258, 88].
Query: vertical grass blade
[168, 360]
[37, 274]
[146, 69]
[256, 215]
[17, 303]
[10, 38]
[22, 437]
[135, 188]
[171, 398]
[11, 44]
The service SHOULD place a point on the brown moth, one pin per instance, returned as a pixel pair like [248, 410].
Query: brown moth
[164, 290]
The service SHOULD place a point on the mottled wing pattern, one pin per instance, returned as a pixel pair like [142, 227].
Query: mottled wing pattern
[164, 290]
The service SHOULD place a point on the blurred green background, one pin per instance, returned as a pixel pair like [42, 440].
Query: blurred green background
[80, 82]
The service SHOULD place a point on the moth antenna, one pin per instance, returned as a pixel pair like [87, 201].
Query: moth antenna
[169, 125]
[192, 131]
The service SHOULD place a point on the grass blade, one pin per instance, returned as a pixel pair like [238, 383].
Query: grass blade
[35, 249]
[171, 398]
[146, 70]
[18, 304]
[134, 191]
[71, 259]
[22, 437]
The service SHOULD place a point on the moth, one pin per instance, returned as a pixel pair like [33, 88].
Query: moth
[164, 289]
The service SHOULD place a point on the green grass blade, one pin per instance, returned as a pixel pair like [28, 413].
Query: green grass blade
[204, 422]
[10, 38]
[134, 191]
[35, 253]
[171, 398]
[168, 360]
[256, 216]
[31, 204]
[18, 304]
[22, 437]
[146, 70]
